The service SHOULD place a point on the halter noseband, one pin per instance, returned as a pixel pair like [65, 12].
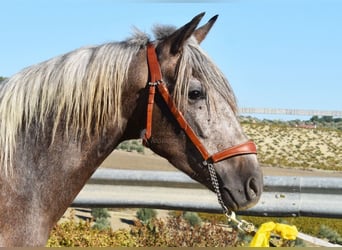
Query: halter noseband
[157, 82]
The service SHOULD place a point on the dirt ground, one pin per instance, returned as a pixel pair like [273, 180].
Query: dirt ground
[150, 161]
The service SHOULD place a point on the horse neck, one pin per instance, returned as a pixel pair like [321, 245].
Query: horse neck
[135, 98]
[81, 160]
[46, 178]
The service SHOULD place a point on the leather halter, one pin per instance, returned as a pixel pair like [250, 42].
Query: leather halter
[156, 82]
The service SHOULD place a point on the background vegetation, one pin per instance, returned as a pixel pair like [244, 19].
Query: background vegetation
[174, 231]
[183, 229]
[283, 145]
[2, 78]
[320, 121]
[132, 145]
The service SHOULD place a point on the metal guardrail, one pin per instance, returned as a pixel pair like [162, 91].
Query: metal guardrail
[282, 196]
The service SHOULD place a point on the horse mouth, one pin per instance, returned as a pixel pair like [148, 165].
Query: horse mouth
[228, 199]
[240, 199]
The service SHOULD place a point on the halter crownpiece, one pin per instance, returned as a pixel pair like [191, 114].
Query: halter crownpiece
[156, 81]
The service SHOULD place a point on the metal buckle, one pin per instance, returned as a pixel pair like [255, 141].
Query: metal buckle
[242, 225]
[154, 83]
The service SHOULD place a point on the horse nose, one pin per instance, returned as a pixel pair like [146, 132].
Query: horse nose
[253, 189]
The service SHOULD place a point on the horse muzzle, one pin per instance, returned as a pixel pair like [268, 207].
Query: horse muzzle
[243, 191]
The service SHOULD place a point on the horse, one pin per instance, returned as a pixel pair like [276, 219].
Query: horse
[59, 119]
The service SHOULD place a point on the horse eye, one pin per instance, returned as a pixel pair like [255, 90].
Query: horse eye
[195, 95]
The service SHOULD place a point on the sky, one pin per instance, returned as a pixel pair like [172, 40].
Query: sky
[275, 54]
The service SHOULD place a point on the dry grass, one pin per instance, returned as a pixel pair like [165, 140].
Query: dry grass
[297, 147]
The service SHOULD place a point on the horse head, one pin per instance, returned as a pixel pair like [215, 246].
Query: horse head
[206, 102]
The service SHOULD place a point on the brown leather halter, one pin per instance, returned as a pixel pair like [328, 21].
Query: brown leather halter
[157, 82]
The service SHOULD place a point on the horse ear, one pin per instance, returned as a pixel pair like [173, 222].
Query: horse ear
[178, 38]
[202, 32]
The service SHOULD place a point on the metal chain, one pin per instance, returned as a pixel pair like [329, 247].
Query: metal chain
[241, 224]
[216, 186]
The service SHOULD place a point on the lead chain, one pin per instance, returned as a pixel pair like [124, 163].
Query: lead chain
[241, 224]
[215, 184]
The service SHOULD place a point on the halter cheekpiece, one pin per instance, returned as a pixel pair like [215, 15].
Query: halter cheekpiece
[156, 81]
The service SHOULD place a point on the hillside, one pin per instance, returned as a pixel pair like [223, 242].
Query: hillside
[286, 146]
[279, 145]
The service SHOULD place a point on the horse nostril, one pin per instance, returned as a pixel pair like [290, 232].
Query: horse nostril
[252, 189]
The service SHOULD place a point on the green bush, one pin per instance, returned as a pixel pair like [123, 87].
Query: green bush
[140, 149]
[100, 213]
[145, 215]
[330, 234]
[192, 218]
[102, 224]
[132, 145]
[101, 216]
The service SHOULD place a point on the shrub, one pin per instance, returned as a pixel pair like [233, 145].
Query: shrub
[101, 216]
[140, 149]
[330, 234]
[145, 215]
[192, 218]
[132, 145]
[124, 146]
[102, 224]
[100, 213]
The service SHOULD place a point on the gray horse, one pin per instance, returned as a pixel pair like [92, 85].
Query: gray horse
[61, 118]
